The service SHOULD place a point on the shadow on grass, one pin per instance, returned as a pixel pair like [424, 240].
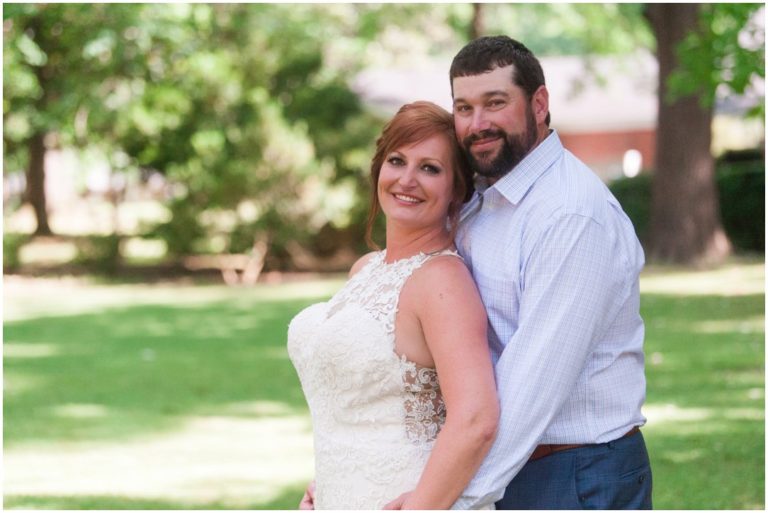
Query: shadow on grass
[704, 350]
[705, 364]
[138, 369]
[706, 469]
[288, 500]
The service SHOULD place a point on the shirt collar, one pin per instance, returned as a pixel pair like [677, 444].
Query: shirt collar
[515, 184]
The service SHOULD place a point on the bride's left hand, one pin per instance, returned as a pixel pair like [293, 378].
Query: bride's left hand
[308, 501]
[398, 503]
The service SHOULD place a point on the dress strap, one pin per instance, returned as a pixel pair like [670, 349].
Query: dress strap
[445, 252]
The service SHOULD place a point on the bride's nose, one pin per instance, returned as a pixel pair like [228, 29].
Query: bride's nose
[408, 177]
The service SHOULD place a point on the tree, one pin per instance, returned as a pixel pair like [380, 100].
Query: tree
[241, 112]
[57, 60]
[698, 49]
[245, 109]
[476, 26]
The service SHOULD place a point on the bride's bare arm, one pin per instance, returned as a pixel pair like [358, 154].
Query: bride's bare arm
[453, 320]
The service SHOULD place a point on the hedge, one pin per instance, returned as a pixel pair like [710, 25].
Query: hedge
[741, 186]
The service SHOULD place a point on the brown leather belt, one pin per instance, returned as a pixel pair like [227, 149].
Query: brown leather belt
[547, 449]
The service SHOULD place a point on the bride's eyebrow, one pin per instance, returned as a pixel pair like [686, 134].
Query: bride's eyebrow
[432, 160]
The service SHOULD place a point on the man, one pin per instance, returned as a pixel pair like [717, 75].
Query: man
[557, 263]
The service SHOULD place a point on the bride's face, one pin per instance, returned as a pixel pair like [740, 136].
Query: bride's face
[416, 183]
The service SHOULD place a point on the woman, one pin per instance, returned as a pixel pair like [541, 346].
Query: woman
[370, 358]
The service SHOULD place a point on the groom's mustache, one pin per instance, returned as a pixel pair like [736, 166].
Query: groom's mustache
[485, 134]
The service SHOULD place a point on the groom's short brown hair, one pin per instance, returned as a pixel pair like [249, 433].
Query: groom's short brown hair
[487, 53]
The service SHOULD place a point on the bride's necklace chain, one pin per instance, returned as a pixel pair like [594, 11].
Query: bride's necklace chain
[418, 253]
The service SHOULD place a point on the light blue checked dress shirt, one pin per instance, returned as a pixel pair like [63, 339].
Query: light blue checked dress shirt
[556, 261]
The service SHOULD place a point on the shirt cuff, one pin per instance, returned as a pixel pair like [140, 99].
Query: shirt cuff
[465, 502]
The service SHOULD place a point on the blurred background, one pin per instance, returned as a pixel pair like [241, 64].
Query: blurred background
[179, 180]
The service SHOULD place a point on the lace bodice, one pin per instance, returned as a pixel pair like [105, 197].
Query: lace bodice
[375, 414]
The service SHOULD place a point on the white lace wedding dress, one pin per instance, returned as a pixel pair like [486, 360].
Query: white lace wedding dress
[375, 414]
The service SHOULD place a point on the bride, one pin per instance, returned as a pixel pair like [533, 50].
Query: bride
[395, 367]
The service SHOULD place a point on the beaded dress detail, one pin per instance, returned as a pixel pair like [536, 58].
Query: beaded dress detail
[375, 415]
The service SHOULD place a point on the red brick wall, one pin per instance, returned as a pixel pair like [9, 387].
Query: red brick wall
[604, 151]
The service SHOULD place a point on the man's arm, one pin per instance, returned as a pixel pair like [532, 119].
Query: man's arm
[571, 288]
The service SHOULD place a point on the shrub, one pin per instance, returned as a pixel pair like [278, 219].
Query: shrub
[742, 203]
[741, 188]
[100, 252]
[182, 232]
[634, 194]
[12, 244]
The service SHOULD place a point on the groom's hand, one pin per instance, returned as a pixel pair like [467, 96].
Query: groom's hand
[308, 501]
[398, 503]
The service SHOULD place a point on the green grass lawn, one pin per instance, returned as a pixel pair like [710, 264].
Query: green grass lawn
[705, 365]
[103, 382]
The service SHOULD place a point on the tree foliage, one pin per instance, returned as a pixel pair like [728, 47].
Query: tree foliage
[728, 52]
[570, 28]
[246, 109]
[59, 62]
[57, 58]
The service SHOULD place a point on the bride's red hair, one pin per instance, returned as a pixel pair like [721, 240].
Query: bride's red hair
[413, 123]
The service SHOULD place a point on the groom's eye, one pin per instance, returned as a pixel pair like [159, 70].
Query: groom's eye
[462, 109]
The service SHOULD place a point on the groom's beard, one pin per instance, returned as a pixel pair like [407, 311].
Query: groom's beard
[513, 149]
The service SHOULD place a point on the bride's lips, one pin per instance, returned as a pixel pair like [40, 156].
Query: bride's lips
[406, 199]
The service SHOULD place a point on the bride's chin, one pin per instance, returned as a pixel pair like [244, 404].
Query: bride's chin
[416, 225]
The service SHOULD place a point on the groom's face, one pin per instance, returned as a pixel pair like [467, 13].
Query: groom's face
[495, 122]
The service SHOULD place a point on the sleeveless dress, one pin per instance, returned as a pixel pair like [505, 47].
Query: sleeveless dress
[375, 415]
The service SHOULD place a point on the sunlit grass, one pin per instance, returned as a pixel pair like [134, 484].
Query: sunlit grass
[31, 299]
[105, 380]
[705, 347]
[149, 354]
[738, 277]
[238, 461]
[176, 396]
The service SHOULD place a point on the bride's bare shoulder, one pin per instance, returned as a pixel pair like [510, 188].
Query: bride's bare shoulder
[361, 263]
[443, 277]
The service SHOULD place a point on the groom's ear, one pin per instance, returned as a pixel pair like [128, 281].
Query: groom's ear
[540, 104]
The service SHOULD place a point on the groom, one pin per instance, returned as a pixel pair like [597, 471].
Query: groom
[557, 262]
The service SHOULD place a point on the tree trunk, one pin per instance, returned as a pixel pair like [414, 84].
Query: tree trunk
[35, 192]
[685, 223]
[476, 27]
